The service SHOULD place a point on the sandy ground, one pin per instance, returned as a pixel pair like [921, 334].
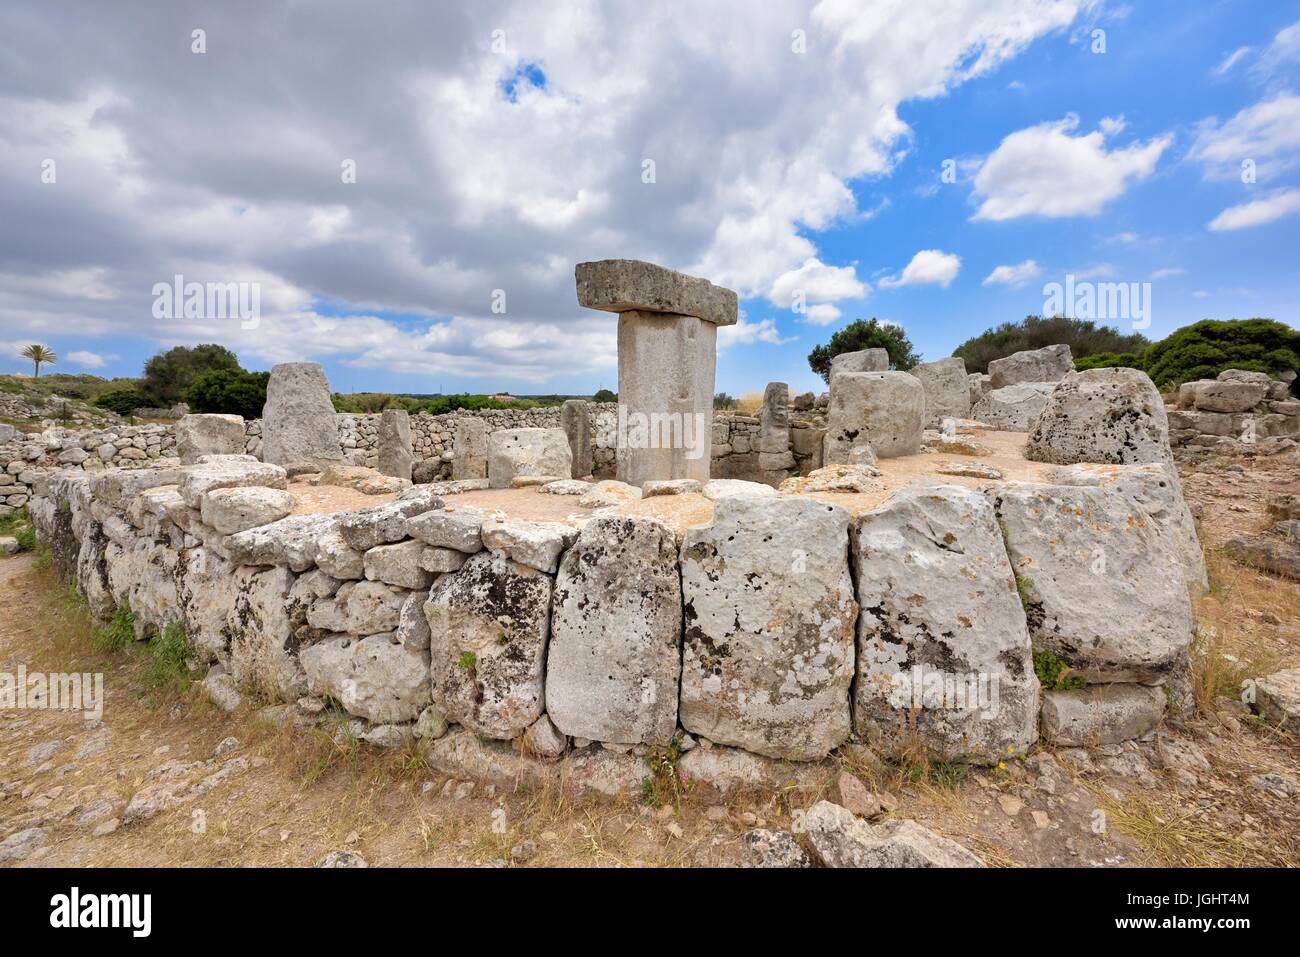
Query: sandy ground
[286, 797]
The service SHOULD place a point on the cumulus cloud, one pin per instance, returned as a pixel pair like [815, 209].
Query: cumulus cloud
[476, 170]
[1169, 272]
[1279, 203]
[1016, 275]
[928, 267]
[745, 332]
[1045, 170]
[814, 287]
[89, 360]
[1267, 133]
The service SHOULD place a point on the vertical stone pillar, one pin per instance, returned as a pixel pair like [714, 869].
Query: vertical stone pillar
[774, 458]
[667, 354]
[575, 419]
[469, 449]
[299, 424]
[395, 455]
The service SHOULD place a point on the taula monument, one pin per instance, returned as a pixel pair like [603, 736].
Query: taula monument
[667, 354]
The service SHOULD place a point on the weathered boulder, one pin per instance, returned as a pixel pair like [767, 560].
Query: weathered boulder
[769, 614]
[298, 421]
[718, 489]
[615, 652]
[947, 390]
[943, 648]
[839, 839]
[394, 444]
[535, 544]
[834, 478]
[630, 285]
[359, 608]
[193, 481]
[1104, 714]
[1277, 698]
[336, 557]
[609, 492]
[377, 678]
[1048, 364]
[489, 624]
[398, 564]
[1014, 408]
[866, 360]
[453, 526]
[514, 452]
[381, 524]
[262, 626]
[208, 434]
[231, 510]
[291, 541]
[544, 740]
[575, 420]
[1230, 395]
[885, 410]
[766, 848]
[1102, 586]
[205, 590]
[1102, 415]
[978, 385]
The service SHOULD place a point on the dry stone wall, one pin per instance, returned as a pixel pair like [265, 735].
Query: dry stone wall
[776, 633]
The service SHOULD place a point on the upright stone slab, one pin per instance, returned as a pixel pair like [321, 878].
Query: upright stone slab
[1048, 364]
[395, 454]
[768, 648]
[943, 648]
[519, 452]
[774, 457]
[469, 451]
[947, 390]
[298, 420]
[575, 419]
[885, 410]
[667, 351]
[208, 434]
[615, 654]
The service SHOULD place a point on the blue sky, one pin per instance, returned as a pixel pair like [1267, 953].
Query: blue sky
[496, 145]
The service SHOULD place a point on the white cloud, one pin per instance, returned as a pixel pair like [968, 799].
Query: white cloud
[1268, 133]
[822, 314]
[818, 283]
[745, 332]
[1200, 294]
[1279, 203]
[1169, 272]
[1016, 275]
[460, 190]
[1231, 60]
[1281, 52]
[1045, 171]
[1098, 271]
[90, 360]
[928, 267]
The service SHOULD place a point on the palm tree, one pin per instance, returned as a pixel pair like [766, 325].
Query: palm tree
[39, 354]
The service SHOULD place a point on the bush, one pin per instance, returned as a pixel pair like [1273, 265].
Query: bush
[1109, 360]
[604, 395]
[229, 391]
[859, 335]
[122, 401]
[1083, 336]
[1206, 348]
[169, 375]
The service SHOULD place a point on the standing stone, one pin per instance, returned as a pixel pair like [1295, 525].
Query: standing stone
[774, 456]
[1049, 364]
[208, 434]
[867, 360]
[575, 419]
[978, 383]
[395, 455]
[943, 648]
[947, 390]
[615, 654]
[667, 352]
[488, 625]
[1015, 408]
[298, 421]
[518, 452]
[885, 410]
[1114, 416]
[469, 452]
[769, 609]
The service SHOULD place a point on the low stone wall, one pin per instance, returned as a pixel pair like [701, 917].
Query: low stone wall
[778, 632]
[1239, 410]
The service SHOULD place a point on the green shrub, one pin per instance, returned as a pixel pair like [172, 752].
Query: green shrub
[229, 391]
[1083, 336]
[1206, 348]
[119, 633]
[1054, 674]
[168, 650]
[1109, 360]
[859, 335]
[122, 401]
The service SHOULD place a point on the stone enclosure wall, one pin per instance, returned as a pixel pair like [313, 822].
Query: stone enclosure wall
[777, 632]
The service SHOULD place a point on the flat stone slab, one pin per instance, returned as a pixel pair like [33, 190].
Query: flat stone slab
[1277, 698]
[630, 285]
[1105, 714]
